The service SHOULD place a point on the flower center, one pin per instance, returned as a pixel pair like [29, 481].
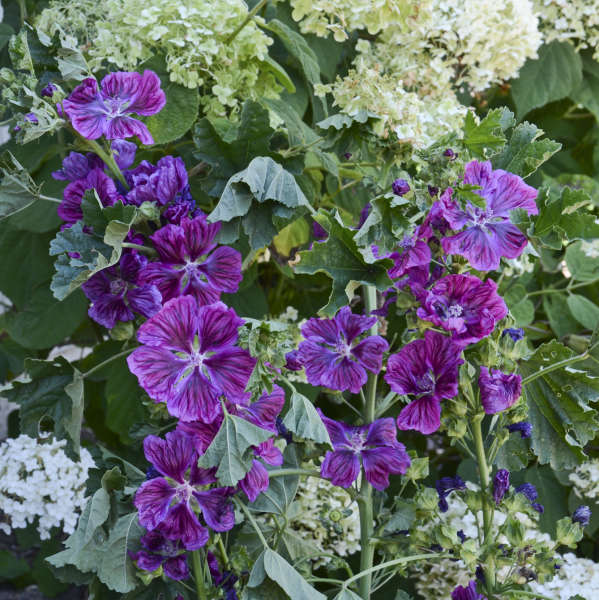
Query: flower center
[357, 441]
[425, 384]
[115, 107]
[118, 287]
[407, 243]
[344, 349]
[455, 310]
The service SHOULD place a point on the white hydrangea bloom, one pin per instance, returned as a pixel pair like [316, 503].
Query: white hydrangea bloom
[39, 481]
[585, 479]
[590, 249]
[576, 21]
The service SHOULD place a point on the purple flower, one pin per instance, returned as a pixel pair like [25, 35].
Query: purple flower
[158, 551]
[523, 427]
[174, 502]
[189, 359]
[77, 166]
[530, 491]
[498, 391]
[435, 221]
[400, 187]
[264, 412]
[331, 356]
[107, 111]
[467, 593]
[515, 333]
[224, 580]
[445, 486]
[432, 190]
[501, 484]
[464, 305]
[582, 515]
[450, 154]
[256, 479]
[488, 233]
[191, 264]
[292, 361]
[161, 183]
[124, 153]
[69, 210]
[116, 295]
[364, 214]
[427, 369]
[319, 232]
[48, 90]
[413, 252]
[375, 445]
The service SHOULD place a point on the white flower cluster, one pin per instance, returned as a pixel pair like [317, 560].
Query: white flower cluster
[590, 249]
[39, 481]
[409, 76]
[199, 39]
[576, 21]
[585, 479]
[326, 518]
[438, 579]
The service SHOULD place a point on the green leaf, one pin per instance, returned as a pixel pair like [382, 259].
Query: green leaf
[582, 267]
[55, 392]
[6, 32]
[98, 513]
[552, 76]
[514, 454]
[587, 93]
[303, 420]
[524, 153]
[552, 496]
[584, 311]
[11, 567]
[294, 235]
[521, 308]
[343, 121]
[385, 225]
[403, 517]
[269, 64]
[261, 196]
[346, 594]
[340, 258]
[17, 188]
[231, 450]
[294, 585]
[560, 406]
[94, 253]
[299, 133]
[488, 134]
[558, 313]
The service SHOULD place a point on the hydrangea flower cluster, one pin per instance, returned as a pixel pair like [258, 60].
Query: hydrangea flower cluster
[40, 483]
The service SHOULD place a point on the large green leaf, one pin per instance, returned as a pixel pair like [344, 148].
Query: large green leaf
[560, 405]
[304, 421]
[584, 311]
[231, 451]
[488, 134]
[261, 197]
[587, 93]
[552, 76]
[54, 393]
[17, 188]
[339, 257]
[581, 266]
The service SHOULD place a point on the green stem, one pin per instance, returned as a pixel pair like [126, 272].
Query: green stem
[223, 551]
[250, 518]
[393, 563]
[249, 17]
[291, 471]
[555, 366]
[198, 573]
[139, 247]
[365, 497]
[107, 157]
[106, 362]
[49, 199]
[23, 11]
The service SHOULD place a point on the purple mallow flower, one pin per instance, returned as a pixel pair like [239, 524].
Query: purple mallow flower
[467, 593]
[488, 233]
[190, 263]
[516, 333]
[123, 152]
[501, 484]
[428, 370]
[107, 111]
[582, 515]
[464, 305]
[450, 154]
[523, 427]
[400, 187]
[222, 579]
[48, 90]
[77, 166]
[161, 183]
[116, 295]
[158, 551]
[498, 391]
[374, 445]
[173, 503]
[189, 359]
[445, 486]
[412, 252]
[334, 358]
[530, 491]
[319, 232]
[69, 210]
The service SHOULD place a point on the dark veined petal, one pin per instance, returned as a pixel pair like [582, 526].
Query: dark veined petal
[369, 352]
[194, 398]
[423, 415]
[124, 153]
[345, 374]
[338, 432]
[269, 453]
[498, 391]
[510, 192]
[352, 325]
[222, 269]
[182, 524]
[172, 456]
[264, 412]
[169, 242]
[321, 330]
[85, 109]
[382, 432]
[152, 500]
[380, 462]
[146, 561]
[341, 467]
[143, 91]
[217, 508]
[507, 239]
[199, 236]
[119, 128]
[475, 245]
[146, 300]
[176, 567]
[218, 327]
[255, 481]
[165, 277]
[316, 359]
[109, 309]
[230, 371]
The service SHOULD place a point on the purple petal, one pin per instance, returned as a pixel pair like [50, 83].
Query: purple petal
[124, 153]
[169, 179]
[379, 462]
[223, 269]
[176, 568]
[507, 239]
[201, 290]
[316, 360]
[85, 109]
[269, 453]
[173, 328]
[201, 434]
[449, 210]
[152, 500]
[218, 327]
[382, 432]
[498, 391]
[343, 375]
[166, 278]
[369, 352]
[423, 415]
[170, 244]
[143, 91]
[321, 330]
[338, 431]
[230, 370]
[264, 412]
[255, 482]
[109, 309]
[341, 467]
[199, 236]
[194, 398]
[352, 325]
[118, 128]
[146, 561]
[217, 508]
[171, 456]
[182, 524]
[146, 300]
[474, 245]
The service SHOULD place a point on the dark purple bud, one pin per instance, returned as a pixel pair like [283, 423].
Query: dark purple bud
[347, 155]
[529, 490]
[515, 333]
[538, 507]
[501, 484]
[319, 232]
[400, 187]
[450, 154]
[443, 505]
[445, 486]
[582, 515]
[49, 90]
[293, 361]
[432, 191]
[467, 593]
[364, 214]
[463, 537]
[31, 118]
[283, 431]
[524, 428]
[480, 574]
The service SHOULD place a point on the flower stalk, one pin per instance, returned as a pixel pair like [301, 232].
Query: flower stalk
[198, 574]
